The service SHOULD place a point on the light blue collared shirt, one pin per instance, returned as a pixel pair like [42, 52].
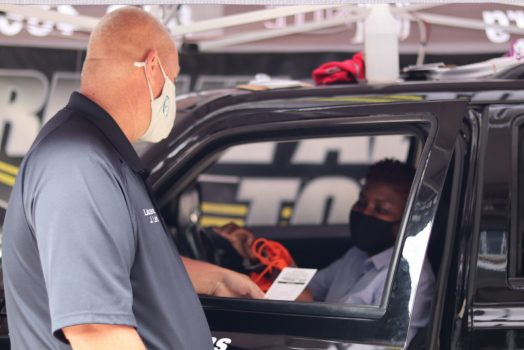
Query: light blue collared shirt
[358, 279]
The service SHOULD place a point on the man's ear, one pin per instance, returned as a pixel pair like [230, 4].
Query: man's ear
[151, 65]
[152, 69]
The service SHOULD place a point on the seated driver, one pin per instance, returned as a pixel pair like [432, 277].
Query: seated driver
[359, 276]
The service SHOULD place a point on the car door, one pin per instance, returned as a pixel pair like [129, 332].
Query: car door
[494, 302]
[270, 324]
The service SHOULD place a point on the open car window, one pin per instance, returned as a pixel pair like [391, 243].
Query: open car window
[298, 193]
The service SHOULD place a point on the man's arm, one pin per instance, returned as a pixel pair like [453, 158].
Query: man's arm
[214, 280]
[86, 249]
[206, 279]
[103, 337]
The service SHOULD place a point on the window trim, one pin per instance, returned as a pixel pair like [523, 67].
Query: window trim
[515, 242]
[336, 310]
[422, 127]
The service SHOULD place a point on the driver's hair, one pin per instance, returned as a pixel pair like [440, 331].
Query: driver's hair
[392, 171]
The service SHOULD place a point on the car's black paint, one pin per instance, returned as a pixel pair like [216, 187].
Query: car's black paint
[461, 320]
[480, 298]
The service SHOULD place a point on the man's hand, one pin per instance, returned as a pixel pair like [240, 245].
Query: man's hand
[240, 238]
[103, 337]
[214, 280]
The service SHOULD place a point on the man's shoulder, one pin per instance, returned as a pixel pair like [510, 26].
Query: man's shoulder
[70, 140]
[355, 254]
[69, 133]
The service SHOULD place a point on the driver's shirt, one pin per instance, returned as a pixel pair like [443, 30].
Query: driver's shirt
[84, 244]
[358, 279]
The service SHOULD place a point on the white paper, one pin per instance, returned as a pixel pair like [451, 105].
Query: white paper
[290, 283]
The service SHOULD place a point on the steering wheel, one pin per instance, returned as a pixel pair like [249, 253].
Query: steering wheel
[203, 243]
[199, 244]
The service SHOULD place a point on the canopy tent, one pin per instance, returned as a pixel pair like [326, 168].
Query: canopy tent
[437, 28]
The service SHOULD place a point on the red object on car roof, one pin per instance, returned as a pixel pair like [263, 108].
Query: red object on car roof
[348, 71]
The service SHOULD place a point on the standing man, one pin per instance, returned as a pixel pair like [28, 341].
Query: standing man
[87, 261]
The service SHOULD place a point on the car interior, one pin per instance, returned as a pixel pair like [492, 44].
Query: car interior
[312, 222]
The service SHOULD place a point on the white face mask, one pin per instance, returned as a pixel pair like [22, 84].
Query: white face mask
[163, 109]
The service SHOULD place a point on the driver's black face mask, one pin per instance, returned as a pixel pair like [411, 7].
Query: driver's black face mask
[370, 234]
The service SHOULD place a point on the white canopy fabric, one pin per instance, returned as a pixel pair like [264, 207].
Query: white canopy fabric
[442, 28]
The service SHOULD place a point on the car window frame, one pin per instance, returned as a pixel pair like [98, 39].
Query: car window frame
[420, 112]
[517, 186]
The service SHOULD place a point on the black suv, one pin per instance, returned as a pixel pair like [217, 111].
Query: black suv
[288, 163]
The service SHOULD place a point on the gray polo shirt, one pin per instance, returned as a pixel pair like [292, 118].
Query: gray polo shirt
[83, 242]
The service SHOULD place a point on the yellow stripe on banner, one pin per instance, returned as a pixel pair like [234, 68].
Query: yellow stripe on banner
[224, 208]
[8, 168]
[207, 221]
[286, 212]
[7, 179]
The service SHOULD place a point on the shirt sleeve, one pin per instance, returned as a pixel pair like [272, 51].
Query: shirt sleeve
[85, 238]
[323, 279]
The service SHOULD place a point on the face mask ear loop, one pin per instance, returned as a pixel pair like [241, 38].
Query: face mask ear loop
[162, 69]
[143, 65]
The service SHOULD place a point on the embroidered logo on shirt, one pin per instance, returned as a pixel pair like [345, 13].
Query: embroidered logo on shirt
[151, 215]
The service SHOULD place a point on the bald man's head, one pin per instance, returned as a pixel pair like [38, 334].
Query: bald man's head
[109, 76]
[127, 34]
[121, 38]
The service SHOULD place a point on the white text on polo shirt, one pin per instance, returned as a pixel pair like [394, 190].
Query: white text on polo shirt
[151, 215]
